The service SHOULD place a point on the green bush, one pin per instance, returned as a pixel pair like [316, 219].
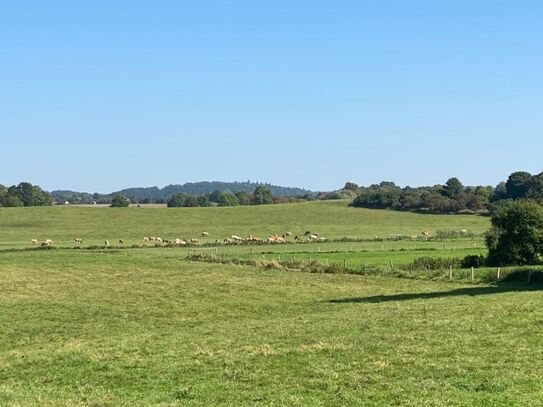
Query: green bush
[473, 260]
[432, 263]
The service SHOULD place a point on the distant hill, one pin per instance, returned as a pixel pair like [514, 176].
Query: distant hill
[154, 194]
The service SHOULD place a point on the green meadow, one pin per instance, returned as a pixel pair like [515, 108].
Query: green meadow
[146, 326]
[330, 219]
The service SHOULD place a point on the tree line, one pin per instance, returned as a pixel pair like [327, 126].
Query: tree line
[24, 194]
[260, 196]
[452, 196]
[163, 195]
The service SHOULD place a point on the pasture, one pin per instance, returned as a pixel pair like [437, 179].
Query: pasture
[146, 326]
[330, 219]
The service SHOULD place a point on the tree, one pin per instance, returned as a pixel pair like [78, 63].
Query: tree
[227, 198]
[535, 187]
[243, 197]
[350, 186]
[262, 196]
[177, 201]
[518, 185]
[119, 201]
[453, 187]
[516, 236]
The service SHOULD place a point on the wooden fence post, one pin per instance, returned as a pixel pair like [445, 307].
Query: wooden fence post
[472, 273]
[499, 273]
[450, 272]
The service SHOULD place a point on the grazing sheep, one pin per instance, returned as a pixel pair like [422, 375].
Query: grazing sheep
[78, 240]
[463, 232]
[205, 234]
[158, 239]
[217, 241]
[314, 236]
[307, 233]
[194, 241]
[121, 241]
[288, 233]
[275, 239]
[33, 241]
[146, 239]
[106, 243]
[48, 242]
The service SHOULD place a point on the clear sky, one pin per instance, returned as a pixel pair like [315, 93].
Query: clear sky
[100, 95]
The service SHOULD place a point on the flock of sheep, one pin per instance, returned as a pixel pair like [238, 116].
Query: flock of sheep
[233, 239]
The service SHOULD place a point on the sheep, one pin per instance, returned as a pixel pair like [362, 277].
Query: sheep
[78, 240]
[48, 242]
[236, 238]
[106, 243]
[121, 241]
[33, 241]
[288, 233]
[463, 231]
[275, 239]
[314, 236]
[205, 234]
[158, 239]
[146, 239]
[194, 241]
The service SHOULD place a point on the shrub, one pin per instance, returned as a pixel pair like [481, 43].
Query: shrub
[119, 201]
[473, 260]
[516, 236]
[432, 263]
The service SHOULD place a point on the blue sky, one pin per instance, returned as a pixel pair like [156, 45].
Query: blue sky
[101, 95]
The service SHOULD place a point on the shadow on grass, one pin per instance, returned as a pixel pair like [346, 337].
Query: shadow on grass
[470, 291]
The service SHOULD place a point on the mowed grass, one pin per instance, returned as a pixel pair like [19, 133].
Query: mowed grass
[147, 327]
[330, 219]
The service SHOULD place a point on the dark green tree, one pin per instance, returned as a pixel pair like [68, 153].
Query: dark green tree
[227, 198]
[516, 236]
[518, 185]
[262, 196]
[243, 197]
[177, 201]
[453, 187]
[119, 201]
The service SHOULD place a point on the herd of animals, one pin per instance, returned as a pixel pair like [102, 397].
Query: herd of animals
[233, 239]
[308, 236]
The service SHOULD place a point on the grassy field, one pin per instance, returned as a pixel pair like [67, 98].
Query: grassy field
[332, 220]
[147, 327]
